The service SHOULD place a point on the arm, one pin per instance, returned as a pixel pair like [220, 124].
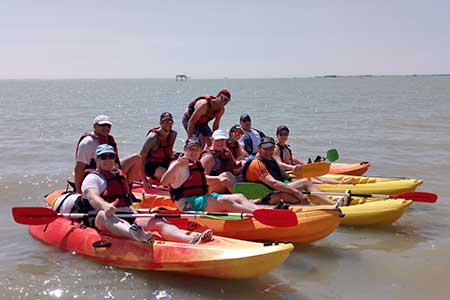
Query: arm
[97, 202]
[282, 187]
[200, 110]
[208, 163]
[171, 174]
[219, 115]
[277, 156]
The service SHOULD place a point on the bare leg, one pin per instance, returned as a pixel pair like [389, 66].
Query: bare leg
[118, 227]
[159, 172]
[230, 203]
[170, 232]
[306, 184]
[130, 166]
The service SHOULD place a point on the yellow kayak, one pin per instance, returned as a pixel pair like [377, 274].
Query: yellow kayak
[372, 185]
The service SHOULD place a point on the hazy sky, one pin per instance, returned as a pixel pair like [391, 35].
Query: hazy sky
[216, 39]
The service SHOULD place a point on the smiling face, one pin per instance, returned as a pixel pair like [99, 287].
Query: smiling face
[102, 130]
[266, 153]
[193, 152]
[283, 136]
[166, 125]
[106, 161]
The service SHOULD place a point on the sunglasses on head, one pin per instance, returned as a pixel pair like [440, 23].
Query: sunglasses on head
[107, 156]
[104, 125]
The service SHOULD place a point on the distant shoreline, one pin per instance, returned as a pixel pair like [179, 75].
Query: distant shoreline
[328, 76]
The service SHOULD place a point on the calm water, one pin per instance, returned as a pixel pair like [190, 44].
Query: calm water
[399, 124]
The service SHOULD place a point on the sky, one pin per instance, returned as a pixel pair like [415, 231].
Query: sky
[216, 39]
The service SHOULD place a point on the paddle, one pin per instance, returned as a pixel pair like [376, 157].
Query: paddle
[311, 170]
[254, 190]
[332, 155]
[44, 215]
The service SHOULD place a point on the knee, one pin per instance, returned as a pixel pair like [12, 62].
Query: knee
[100, 220]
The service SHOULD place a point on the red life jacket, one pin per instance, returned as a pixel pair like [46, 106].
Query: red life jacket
[164, 153]
[234, 147]
[109, 139]
[116, 187]
[195, 185]
[210, 113]
[288, 159]
[224, 161]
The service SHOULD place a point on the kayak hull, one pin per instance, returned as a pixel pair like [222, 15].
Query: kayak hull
[356, 169]
[314, 223]
[374, 186]
[220, 258]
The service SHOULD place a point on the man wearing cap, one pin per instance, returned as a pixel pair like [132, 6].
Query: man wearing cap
[218, 161]
[157, 152]
[200, 111]
[188, 185]
[85, 152]
[105, 192]
[262, 167]
[250, 139]
[236, 149]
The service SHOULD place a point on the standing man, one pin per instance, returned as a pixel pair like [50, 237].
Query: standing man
[85, 152]
[200, 111]
[250, 139]
[157, 152]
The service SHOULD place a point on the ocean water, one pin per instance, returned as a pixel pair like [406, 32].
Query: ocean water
[399, 124]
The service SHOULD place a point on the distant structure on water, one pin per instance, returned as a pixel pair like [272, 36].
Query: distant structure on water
[181, 77]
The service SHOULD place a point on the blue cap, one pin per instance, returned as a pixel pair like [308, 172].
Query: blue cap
[104, 148]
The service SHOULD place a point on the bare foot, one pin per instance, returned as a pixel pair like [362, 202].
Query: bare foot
[348, 180]
[204, 237]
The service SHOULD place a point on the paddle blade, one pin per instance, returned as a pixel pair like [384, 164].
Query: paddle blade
[311, 170]
[332, 155]
[252, 190]
[33, 215]
[276, 217]
[417, 196]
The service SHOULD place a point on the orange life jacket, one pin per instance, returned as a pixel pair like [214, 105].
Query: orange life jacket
[224, 161]
[116, 187]
[210, 113]
[164, 153]
[195, 185]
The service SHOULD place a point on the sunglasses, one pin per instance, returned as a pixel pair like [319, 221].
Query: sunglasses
[107, 156]
[167, 121]
[283, 134]
[104, 125]
[223, 98]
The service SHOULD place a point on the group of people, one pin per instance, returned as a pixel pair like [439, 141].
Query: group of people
[201, 178]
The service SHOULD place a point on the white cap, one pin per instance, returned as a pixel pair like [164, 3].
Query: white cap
[219, 134]
[101, 119]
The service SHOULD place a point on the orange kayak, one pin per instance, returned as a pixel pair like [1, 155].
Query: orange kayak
[220, 258]
[314, 223]
[356, 169]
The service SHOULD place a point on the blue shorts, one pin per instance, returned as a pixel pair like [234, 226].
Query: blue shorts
[200, 129]
[198, 203]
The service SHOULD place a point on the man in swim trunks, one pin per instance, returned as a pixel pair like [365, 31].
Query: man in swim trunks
[189, 185]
